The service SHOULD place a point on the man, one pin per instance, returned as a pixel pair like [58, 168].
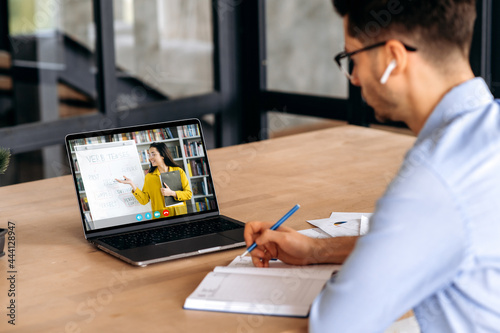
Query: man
[433, 244]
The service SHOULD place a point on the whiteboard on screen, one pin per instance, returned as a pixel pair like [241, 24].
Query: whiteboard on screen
[100, 164]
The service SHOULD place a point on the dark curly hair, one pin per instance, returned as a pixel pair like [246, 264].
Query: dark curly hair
[434, 26]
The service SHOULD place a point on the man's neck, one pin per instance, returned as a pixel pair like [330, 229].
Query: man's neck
[430, 90]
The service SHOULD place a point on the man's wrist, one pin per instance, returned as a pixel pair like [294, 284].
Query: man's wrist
[333, 250]
[320, 253]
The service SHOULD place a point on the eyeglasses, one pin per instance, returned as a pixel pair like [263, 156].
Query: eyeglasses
[343, 59]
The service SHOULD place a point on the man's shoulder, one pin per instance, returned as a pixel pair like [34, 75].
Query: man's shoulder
[464, 136]
[454, 150]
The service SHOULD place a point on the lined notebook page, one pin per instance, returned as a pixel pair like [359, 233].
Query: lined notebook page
[281, 289]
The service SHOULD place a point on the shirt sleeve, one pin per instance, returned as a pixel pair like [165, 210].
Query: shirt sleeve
[416, 243]
[186, 192]
[142, 195]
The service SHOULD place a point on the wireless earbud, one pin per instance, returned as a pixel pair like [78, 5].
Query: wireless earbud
[388, 71]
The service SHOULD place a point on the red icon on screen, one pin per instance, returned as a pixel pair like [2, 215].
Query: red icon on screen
[166, 212]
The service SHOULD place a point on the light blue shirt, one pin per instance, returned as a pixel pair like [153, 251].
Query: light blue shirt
[434, 240]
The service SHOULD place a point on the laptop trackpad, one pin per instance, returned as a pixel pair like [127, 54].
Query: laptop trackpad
[176, 247]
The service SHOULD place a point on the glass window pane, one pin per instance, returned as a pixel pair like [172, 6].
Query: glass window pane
[164, 49]
[49, 73]
[52, 161]
[302, 38]
[48, 162]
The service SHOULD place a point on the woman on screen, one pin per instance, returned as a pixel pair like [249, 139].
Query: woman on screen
[161, 161]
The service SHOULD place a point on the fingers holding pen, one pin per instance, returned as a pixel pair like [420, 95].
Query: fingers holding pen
[253, 230]
[263, 254]
[257, 231]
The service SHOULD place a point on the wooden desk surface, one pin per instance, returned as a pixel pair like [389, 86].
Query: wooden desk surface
[63, 284]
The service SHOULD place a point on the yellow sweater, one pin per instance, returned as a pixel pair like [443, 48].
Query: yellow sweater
[151, 191]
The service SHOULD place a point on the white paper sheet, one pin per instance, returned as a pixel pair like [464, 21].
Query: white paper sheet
[314, 233]
[355, 224]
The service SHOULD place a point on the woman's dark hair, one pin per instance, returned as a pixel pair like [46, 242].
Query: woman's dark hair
[165, 153]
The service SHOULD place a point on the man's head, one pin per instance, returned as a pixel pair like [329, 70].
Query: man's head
[436, 27]
[427, 46]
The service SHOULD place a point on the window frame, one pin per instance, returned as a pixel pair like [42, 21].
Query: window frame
[221, 102]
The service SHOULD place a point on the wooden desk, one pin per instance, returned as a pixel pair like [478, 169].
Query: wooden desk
[63, 284]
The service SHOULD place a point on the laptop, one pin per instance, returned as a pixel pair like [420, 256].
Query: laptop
[136, 226]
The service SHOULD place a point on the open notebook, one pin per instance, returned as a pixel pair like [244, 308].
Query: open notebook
[280, 290]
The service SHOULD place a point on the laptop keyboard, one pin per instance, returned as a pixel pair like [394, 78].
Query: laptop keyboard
[169, 233]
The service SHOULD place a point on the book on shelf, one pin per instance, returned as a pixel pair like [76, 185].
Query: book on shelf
[143, 156]
[85, 203]
[189, 131]
[197, 167]
[279, 290]
[174, 151]
[87, 141]
[96, 139]
[75, 163]
[210, 187]
[198, 188]
[205, 204]
[146, 136]
[79, 183]
[88, 216]
[193, 149]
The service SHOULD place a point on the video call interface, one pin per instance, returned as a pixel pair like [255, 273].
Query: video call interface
[100, 162]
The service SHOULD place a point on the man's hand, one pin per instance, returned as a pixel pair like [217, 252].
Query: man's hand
[284, 243]
[294, 248]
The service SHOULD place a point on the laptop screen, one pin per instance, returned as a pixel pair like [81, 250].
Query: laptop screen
[142, 174]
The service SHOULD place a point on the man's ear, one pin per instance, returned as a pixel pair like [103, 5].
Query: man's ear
[395, 51]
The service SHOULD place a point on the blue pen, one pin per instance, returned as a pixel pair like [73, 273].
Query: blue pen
[274, 227]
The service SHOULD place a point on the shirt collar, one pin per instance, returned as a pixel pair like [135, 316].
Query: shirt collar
[463, 98]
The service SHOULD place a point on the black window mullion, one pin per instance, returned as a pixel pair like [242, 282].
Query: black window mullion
[480, 56]
[4, 26]
[253, 74]
[486, 24]
[105, 61]
[228, 67]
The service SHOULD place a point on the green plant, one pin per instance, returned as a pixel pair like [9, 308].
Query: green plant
[4, 159]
